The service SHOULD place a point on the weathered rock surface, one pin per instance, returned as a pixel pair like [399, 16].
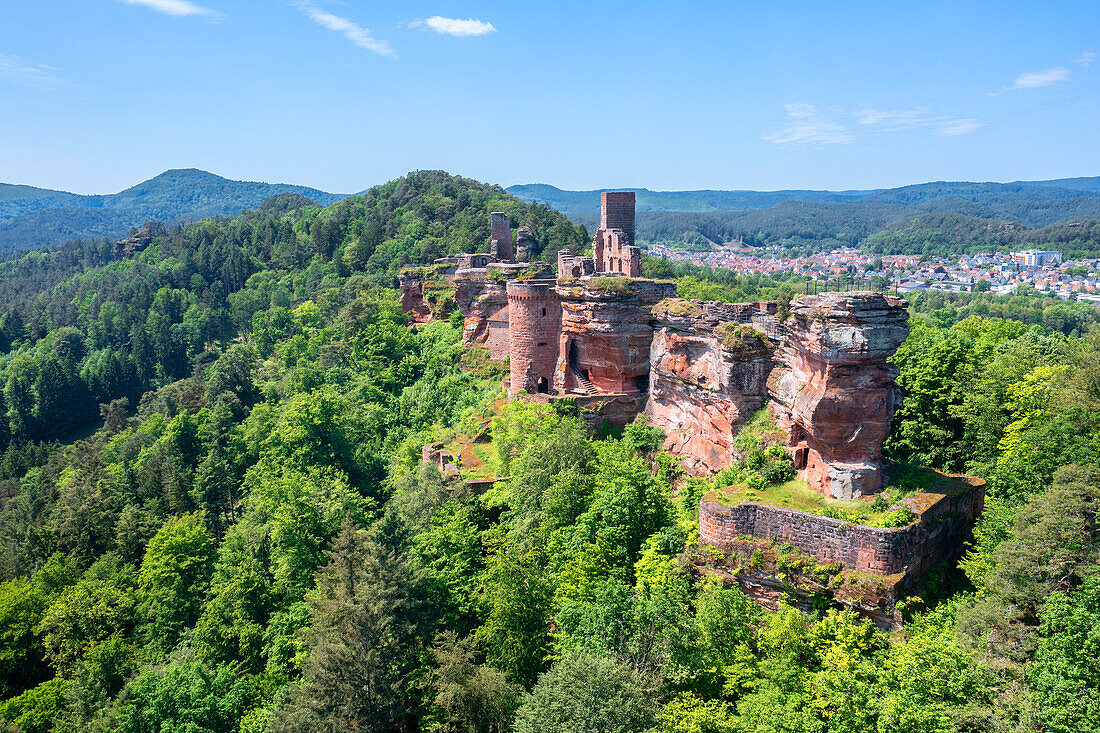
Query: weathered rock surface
[708, 375]
[479, 299]
[412, 296]
[606, 331]
[833, 390]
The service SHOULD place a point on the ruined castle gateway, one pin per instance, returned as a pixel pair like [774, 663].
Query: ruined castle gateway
[534, 325]
[613, 247]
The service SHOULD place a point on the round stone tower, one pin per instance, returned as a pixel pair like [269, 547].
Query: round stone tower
[534, 324]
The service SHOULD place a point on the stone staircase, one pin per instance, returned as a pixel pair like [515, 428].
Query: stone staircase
[583, 381]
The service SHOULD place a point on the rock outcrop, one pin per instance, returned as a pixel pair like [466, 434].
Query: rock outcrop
[708, 376]
[606, 332]
[412, 296]
[833, 390]
[479, 299]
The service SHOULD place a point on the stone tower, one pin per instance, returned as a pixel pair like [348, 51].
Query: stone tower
[617, 212]
[613, 246]
[534, 314]
[500, 241]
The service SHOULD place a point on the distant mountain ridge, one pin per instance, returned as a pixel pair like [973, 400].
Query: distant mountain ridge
[34, 217]
[1004, 200]
[936, 217]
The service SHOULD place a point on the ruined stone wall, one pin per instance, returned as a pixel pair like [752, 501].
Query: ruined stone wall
[570, 266]
[606, 332]
[937, 534]
[534, 313]
[833, 390]
[499, 340]
[500, 237]
[708, 376]
[616, 254]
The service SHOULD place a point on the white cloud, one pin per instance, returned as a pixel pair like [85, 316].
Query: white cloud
[24, 73]
[354, 32]
[1085, 59]
[178, 8]
[454, 26]
[1035, 79]
[962, 126]
[809, 127]
[918, 118]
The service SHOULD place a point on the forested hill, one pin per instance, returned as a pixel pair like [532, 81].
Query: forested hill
[214, 518]
[930, 218]
[140, 322]
[34, 217]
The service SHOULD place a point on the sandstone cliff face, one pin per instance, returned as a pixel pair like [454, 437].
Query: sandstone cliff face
[707, 377]
[606, 331]
[833, 390]
[412, 296]
[479, 299]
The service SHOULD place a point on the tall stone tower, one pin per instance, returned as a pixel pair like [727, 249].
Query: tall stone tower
[617, 212]
[534, 315]
[500, 238]
[613, 246]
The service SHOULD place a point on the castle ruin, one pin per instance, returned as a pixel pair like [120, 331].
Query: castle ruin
[618, 345]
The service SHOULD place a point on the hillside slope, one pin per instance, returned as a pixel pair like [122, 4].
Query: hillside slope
[35, 217]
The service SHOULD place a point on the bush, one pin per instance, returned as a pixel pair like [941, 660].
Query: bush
[898, 517]
[643, 437]
[778, 471]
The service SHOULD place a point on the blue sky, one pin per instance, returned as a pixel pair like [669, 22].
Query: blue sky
[96, 95]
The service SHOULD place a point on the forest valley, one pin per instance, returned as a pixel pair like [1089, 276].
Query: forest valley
[215, 516]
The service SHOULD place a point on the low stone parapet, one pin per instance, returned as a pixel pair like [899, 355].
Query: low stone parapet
[939, 531]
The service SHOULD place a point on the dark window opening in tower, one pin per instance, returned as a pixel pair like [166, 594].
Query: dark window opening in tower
[543, 386]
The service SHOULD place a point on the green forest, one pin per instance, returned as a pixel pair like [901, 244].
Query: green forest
[215, 517]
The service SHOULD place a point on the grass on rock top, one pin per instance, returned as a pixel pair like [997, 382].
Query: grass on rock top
[797, 495]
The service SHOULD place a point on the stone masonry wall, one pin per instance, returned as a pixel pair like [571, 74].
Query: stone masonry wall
[937, 534]
[500, 241]
[617, 212]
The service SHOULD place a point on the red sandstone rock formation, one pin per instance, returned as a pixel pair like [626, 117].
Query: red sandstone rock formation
[412, 296]
[606, 331]
[709, 374]
[479, 299]
[834, 390]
